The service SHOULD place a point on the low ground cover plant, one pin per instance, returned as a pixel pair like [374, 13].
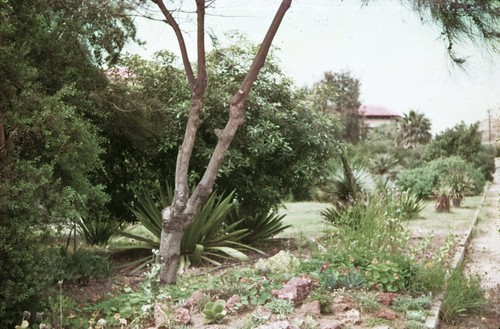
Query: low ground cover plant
[463, 296]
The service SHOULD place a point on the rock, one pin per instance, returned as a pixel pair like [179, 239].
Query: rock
[232, 302]
[183, 316]
[386, 298]
[296, 290]
[159, 313]
[352, 317]
[342, 304]
[342, 300]
[312, 308]
[387, 314]
[262, 313]
[193, 300]
[330, 324]
[276, 325]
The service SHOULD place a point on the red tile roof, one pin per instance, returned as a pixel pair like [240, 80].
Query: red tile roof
[376, 111]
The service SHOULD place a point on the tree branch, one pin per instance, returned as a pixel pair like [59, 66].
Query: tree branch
[194, 121]
[201, 82]
[236, 116]
[182, 44]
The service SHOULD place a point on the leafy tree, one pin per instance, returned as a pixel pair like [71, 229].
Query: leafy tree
[279, 150]
[338, 94]
[49, 148]
[414, 129]
[464, 141]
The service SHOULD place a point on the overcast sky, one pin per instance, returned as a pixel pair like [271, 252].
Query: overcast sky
[401, 63]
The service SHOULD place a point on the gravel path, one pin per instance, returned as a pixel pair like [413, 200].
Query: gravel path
[483, 253]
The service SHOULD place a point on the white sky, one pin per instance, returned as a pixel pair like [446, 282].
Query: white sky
[401, 63]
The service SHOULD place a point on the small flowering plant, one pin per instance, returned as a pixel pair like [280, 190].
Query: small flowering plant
[384, 276]
[282, 262]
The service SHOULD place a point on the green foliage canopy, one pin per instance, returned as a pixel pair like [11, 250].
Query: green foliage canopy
[464, 141]
[49, 148]
[424, 180]
[280, 149]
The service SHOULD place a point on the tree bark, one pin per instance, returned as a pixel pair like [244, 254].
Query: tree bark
[179, 216]
[170, 248]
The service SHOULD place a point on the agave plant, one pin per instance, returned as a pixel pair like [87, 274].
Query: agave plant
[339, 187]
[97, 231]
[262, 227]
[209, 238]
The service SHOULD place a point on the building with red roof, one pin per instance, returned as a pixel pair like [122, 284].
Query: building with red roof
[376, 115]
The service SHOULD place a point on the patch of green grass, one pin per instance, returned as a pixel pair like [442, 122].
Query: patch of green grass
[463, 296]
[457, 221]
[305, 219]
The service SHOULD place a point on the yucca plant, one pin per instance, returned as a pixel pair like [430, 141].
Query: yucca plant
[346, 184]
[333, 213]
[96, 231]
[404, 205]
[261, 227]
[209, 238]
[443, 198]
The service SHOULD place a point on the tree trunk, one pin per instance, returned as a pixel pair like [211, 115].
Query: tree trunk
[443, 203]
[457, 202]
[170, 251]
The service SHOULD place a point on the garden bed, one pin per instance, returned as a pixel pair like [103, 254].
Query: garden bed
[356, 308]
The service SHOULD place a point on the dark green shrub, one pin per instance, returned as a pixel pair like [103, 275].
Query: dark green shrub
[484, 161]
[463, 141]
[421, 181]
[28, 270]
[83, 265]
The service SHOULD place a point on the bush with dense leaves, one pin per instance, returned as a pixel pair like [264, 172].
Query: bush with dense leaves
[424, 181]
[280, 150]
[29, 271]
[463, 141]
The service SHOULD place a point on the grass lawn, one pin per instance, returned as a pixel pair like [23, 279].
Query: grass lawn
[304, 218]
[457, 221]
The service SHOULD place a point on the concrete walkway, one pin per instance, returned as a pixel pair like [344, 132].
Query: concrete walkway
[483, 252]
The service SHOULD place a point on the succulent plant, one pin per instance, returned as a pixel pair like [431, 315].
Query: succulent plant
[215, 312]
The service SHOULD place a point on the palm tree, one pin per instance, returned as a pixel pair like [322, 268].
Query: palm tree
[414, 129]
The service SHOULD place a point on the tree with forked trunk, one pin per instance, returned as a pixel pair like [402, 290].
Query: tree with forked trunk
[180, 214]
